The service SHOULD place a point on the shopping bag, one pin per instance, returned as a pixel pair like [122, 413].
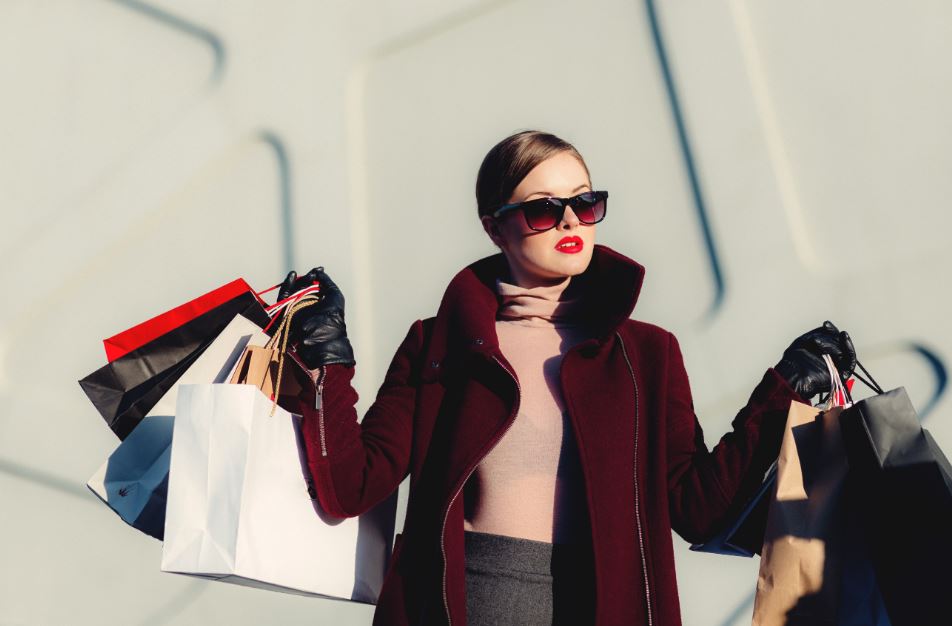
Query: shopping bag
[901, 484]
[809, 550]
[798, 559]
[128, 340]
[743, 535]
[125, 390]
[239, 510]
[241, 506]
[263, 366]
[133, 482]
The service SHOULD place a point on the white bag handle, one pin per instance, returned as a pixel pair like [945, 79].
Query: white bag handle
[838, 393]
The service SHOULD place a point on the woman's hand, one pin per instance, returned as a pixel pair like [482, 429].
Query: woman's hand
[802, 363]
[318, 330]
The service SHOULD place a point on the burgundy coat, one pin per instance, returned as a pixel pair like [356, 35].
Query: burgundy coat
[449, 395]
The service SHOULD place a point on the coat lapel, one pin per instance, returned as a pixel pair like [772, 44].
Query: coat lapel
[480, 389]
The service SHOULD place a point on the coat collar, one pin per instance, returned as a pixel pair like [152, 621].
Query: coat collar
[470, 302]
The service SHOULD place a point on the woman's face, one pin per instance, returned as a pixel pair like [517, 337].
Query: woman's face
[534, 257]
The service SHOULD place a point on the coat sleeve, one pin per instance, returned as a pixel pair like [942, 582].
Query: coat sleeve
[706, 487]
[355, 465]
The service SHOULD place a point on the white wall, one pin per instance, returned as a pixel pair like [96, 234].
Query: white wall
[154, 150]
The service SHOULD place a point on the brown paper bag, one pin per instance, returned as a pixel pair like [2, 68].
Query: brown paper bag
[800, 568]
[258, 366]
[264, 367]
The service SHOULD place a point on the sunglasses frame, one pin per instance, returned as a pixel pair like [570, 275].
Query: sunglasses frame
[565, 202]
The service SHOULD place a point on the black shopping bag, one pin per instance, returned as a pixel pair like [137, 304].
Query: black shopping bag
[901, 485]
[743, 534]
[125, 390]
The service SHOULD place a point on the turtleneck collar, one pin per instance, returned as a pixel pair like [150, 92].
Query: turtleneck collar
[544, 305]
[467, 312]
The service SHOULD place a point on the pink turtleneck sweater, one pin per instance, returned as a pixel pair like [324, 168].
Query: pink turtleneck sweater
[530, 484]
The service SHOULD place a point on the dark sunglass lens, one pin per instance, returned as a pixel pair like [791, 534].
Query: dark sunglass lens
[544, 214]
[589, 208]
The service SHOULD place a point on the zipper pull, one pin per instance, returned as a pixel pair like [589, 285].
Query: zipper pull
[318, 379]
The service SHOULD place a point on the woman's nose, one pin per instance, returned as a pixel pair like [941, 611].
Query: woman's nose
[569, 218]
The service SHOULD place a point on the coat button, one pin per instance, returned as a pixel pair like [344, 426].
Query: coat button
[478, 342]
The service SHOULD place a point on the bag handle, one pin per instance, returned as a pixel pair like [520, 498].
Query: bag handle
[278, 306]
[872, 384]
[839, 394]
[274, 309]
[283, 334]
[279, 341]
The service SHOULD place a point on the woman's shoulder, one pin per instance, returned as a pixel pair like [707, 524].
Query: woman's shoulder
[651, 342]
[641, 330]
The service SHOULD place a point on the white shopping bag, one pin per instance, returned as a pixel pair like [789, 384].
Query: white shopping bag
[239, 510]
[132, 481]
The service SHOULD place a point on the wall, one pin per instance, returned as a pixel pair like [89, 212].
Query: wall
[771, 164]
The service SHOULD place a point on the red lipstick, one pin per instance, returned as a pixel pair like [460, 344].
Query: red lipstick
[566, 245]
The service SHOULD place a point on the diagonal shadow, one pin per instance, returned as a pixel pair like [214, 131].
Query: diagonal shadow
[182, 25]
[174, 606]
[45, 479]
[689, 164]
[941, 375]
[274, 141]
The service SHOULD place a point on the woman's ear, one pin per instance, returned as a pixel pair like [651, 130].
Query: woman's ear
[491, 227]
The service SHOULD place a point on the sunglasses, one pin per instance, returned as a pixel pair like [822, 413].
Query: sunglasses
[545, 213]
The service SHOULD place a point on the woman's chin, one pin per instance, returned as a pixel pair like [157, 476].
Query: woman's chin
[574, 263]
[572, 266]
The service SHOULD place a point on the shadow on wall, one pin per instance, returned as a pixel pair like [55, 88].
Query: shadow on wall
[690, 170]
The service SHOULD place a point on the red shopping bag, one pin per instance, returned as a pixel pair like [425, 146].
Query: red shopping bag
[141, 334]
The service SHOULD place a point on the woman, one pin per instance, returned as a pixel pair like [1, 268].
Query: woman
[550, 440]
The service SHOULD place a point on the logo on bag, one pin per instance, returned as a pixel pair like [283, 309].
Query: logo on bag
[125, 491]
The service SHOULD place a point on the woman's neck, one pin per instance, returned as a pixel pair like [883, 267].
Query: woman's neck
[567, 287]
[542, 305]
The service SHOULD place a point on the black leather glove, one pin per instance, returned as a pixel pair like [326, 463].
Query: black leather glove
[802, 363]
[318, 330]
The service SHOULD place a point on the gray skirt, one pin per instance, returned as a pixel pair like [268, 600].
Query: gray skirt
[520, 581]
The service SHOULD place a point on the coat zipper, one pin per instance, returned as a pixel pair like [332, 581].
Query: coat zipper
[641, 542]
[319, 406]
[446, 603]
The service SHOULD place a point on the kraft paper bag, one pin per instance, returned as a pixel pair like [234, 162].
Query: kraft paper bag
[815, 568]
[799, 566]
[259, 366]
[263, 366]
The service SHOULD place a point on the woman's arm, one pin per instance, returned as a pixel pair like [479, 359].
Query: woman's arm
[353, 465]
[356, 465]
[703, 485]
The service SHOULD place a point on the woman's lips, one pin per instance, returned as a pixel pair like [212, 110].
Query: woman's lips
[570, 249]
